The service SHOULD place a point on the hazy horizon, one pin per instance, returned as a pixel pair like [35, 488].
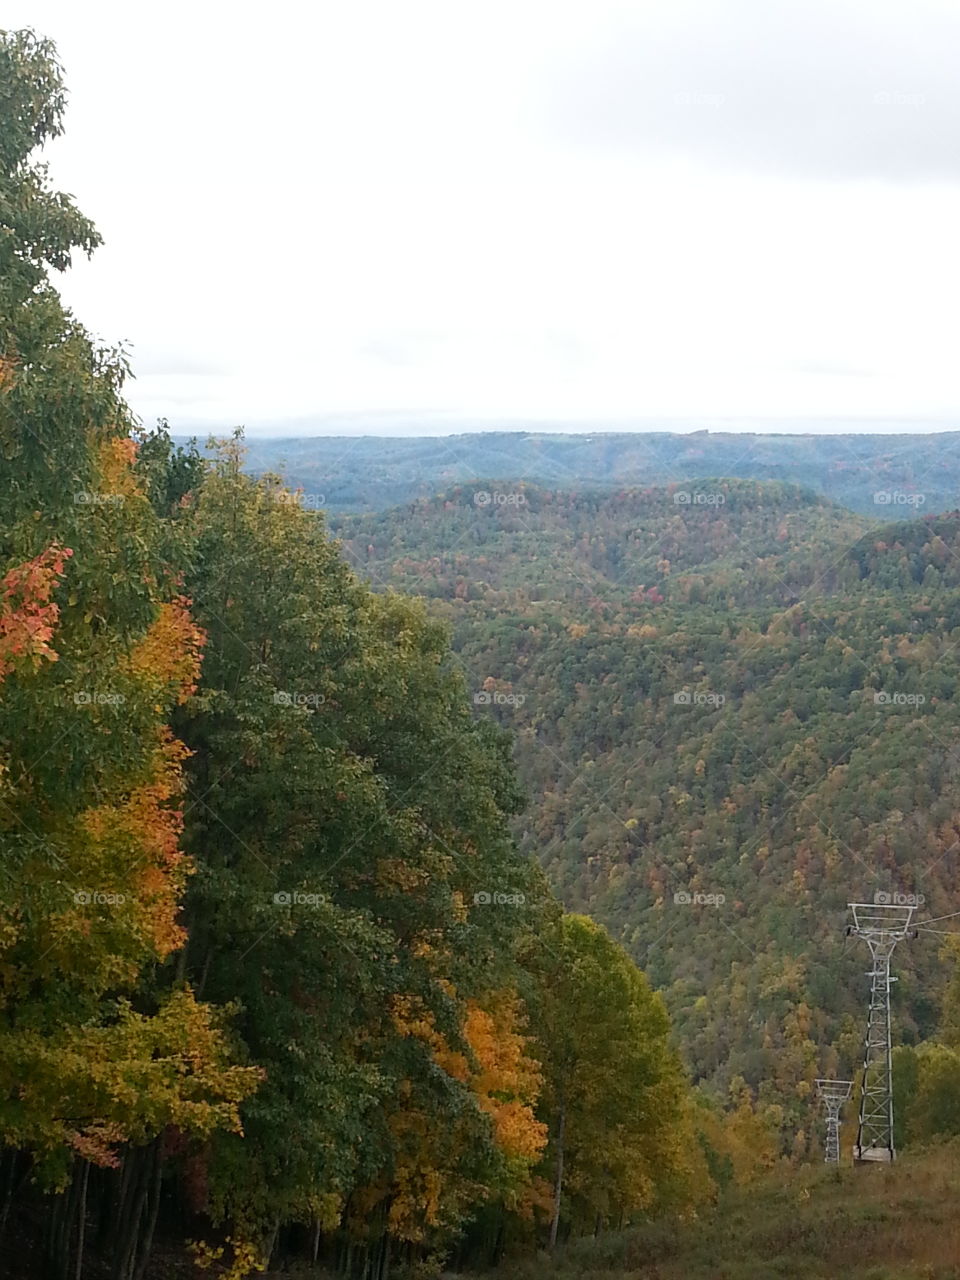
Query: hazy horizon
[385, 427]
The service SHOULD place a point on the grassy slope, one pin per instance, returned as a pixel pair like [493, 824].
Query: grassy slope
[872, 1223]
[813, 1223]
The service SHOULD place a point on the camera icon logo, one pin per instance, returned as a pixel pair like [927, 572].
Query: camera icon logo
[482, 899]
[482, 498]
[681, 498]
[81, 898]
[683, 698]
[682, 898]
[283, 899]
[482, 699]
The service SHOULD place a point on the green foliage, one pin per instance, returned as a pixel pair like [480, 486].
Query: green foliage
[347, 810]
[614, 1093]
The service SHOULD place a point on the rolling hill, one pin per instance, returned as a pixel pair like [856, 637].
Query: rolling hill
[875, 474]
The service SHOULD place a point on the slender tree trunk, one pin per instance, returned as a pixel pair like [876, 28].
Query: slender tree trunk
[153, 1211]
[11, 1158]
[271, 1242]
[131, 1214]
[61, 1227]
[53, 1245]
[558, 1179]
[82, 1221]
[500, 1240]
[206, 970]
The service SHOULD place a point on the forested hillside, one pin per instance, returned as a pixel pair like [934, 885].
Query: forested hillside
[877, 475]
[741, 695]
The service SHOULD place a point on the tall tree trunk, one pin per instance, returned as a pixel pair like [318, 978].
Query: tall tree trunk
[270, 1243]
[558, 1179]
[82, 1221]
[500, 1240]
[10, 1158]
[152, 1212]
[133, 1204]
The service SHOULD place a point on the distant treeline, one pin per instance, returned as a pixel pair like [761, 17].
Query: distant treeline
[881, 476]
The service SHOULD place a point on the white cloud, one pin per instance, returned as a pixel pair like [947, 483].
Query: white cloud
[436, 210]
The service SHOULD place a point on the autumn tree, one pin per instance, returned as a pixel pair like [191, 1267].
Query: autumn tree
[348, 824]
[96, 646]
[614, 1093]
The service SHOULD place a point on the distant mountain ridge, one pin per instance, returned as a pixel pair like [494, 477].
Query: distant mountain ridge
[875, 474]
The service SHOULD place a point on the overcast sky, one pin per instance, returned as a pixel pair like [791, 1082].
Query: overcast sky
[406, 213]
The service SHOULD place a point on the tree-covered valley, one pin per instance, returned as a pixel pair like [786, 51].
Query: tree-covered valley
[749, 697]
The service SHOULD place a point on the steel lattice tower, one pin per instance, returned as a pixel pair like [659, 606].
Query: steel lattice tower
[833, 1094]
[881, 927]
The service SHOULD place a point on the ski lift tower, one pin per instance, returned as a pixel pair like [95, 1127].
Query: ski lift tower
[881, 926]
[833, 1094]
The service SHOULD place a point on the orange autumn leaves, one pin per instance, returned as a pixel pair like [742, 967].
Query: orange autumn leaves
[505, 1082]
[99, 884]
[27, 614]
[168, 657]
[147, 823]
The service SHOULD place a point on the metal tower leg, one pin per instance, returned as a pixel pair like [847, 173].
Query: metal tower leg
[881, 927]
